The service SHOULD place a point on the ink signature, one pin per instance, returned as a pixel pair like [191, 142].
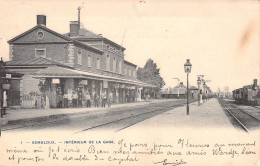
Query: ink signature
[165, 162]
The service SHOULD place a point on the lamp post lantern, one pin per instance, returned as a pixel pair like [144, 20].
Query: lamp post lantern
[187, 69]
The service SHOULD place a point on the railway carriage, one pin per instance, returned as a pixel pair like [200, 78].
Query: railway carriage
[249, 94]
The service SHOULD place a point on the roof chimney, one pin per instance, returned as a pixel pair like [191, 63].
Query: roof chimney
[41, 20]
[255, 82]
[74, 28]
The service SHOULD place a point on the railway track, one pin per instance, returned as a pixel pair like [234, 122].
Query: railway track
[245, 120]
[243, 110]
[136, 118]
[144, 112]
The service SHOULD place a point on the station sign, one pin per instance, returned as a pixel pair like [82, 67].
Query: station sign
[83, 82]
[55, 81]
[8, 76]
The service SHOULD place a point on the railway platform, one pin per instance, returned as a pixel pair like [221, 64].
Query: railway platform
[208, 115]
[20, 115]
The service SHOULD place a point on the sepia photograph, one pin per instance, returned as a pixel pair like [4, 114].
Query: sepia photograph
[135, 82]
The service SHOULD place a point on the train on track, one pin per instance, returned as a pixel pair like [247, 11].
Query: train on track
[248, 95]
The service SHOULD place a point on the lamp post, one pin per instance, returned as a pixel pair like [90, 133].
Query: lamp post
[199, 82]
[178, 86]
[3, 85]
[187, 69]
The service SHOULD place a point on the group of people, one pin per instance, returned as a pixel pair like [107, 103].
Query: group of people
[77, 99]
[202, 98]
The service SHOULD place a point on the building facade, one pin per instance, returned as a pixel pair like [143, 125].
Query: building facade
[79, 61]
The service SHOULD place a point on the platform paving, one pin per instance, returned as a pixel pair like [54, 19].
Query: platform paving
[23, 114]
[208, 115]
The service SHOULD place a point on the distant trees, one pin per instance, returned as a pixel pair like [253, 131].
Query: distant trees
[150, 73]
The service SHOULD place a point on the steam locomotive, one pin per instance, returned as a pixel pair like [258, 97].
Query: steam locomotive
[247, 95]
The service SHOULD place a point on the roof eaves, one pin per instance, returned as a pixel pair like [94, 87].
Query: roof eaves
[106, 39]
[130, 63]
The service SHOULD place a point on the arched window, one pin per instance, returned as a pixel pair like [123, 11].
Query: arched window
[98, 62]
[120, 66]
[114, 64]
[125, 70]
[89, 60]
[79, 57]
[108, 62]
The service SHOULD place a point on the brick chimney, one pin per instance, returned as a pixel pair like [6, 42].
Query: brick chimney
[74, 28]
[41, 20]
[255, 82]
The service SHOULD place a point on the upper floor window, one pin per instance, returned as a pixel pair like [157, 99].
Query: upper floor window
[120, 66]
[79, 57]
[40, 52]
[89, 60]
[130, 73]
[108, 62]
[114, 64]
[98, 63]
[125, 70]
[134, 73]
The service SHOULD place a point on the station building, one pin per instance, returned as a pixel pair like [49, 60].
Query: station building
[180, 92]
[53, 64]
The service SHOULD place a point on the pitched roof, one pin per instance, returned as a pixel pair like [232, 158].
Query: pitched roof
[193, 88]
[55, 33]
[39, 61]
[86, 34]
[58, 71]
[88, 46]
[39, 26]
[130, 63]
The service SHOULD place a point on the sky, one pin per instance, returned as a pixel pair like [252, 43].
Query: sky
[221, 38]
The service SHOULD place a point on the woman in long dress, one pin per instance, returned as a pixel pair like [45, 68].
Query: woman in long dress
[200, 99]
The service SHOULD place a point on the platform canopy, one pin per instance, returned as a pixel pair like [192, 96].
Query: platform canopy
[62, 72]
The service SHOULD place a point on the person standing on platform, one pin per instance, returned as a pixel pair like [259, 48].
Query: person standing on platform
[59, 100]
[201, 98]
[88, 99]
[127, 97]
[65, 100]
[109, 99]
[96, 99]
[104, 99]
[69, 99]
[74, 99]
[80, 97]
